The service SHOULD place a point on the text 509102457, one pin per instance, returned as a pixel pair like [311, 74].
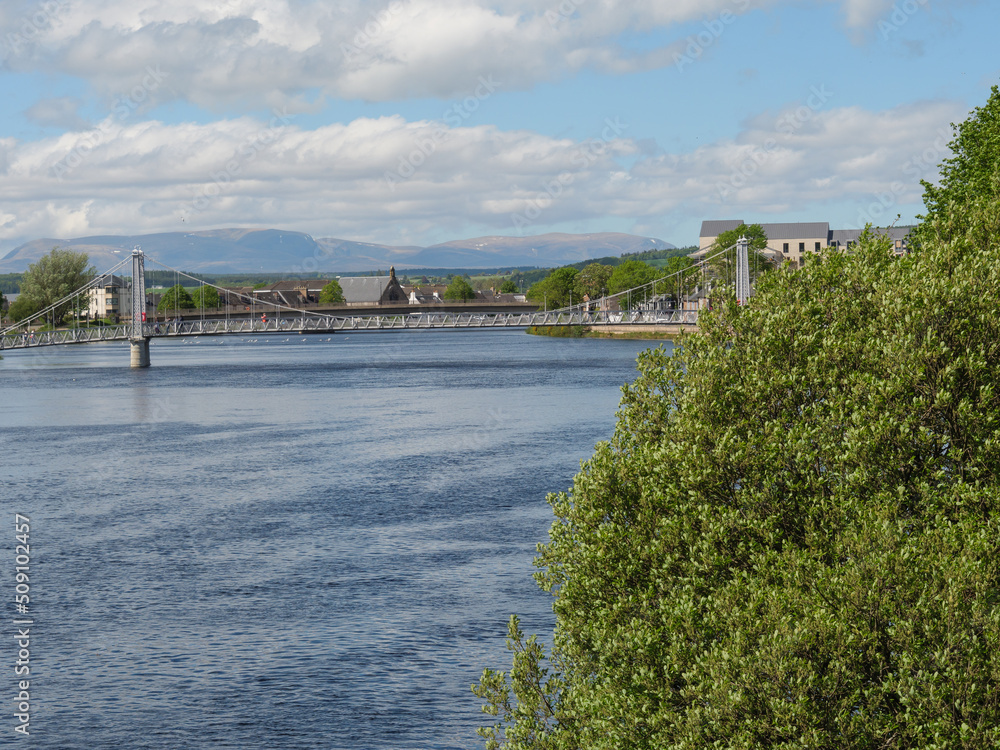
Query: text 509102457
[22, 623]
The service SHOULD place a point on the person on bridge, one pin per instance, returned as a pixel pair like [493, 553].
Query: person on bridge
[263, 318]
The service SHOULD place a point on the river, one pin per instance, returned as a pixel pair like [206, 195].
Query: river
[287, 541]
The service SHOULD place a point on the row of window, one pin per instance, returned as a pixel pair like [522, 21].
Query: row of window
[802, 247]
[900, 247]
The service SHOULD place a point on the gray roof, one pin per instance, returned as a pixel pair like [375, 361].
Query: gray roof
[294, 285]
[802, 230]
[843, 236]
[363, 288]
[715, 227]
[796, 230]
[109, 280]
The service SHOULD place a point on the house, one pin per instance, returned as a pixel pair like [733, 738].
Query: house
[425, 295]
[237, 297]
[291, 292]
[368, 291]
[794, 241]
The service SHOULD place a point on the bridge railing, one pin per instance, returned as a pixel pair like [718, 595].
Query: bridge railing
[26, 339]
[331, 323]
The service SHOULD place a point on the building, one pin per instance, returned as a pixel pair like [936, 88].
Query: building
[370, 291]
[109, 296]
[291, 292]
[425, 295]
[795, 241]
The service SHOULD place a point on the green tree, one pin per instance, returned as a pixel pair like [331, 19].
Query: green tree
[205, 296]
[331, 293]
[23, 307]
[680, 276]
[793, 538]
[556, 289]
[55, 276]
[973, 171]
[592, 281]
[509, 286]
[631, 274]
[175, 298]
[459, 289]
[724, 266]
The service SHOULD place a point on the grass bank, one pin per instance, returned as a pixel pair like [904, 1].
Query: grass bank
[603, 332]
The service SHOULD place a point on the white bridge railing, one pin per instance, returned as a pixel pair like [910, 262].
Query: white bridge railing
[331, 323]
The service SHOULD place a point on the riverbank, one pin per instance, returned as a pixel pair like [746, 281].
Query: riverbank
[656, 332]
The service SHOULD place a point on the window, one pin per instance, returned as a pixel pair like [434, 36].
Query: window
[784, 249]
[817, 247]
[802, 247]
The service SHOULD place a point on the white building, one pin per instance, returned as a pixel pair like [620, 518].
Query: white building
[795, 241]
[108, 297]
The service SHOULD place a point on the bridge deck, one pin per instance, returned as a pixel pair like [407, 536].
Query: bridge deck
[333, 323]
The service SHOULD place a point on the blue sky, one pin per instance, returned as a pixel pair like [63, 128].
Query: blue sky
[420, 121]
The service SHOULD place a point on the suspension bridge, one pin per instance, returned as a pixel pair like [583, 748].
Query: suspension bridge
[138, 330]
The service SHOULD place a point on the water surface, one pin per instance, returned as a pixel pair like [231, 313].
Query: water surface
[288, 542]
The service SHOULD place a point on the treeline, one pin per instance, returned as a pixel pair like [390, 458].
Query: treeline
[10, 283]
[591, 280]
[654, 258]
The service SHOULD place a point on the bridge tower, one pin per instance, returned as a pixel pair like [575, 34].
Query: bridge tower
[137, 334]
[742, 271]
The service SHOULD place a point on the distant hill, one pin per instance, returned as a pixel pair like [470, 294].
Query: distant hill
[277, 251]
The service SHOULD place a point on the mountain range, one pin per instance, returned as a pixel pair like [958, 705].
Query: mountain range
[240, 250]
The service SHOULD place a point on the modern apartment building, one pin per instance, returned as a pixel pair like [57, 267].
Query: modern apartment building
[108, 296]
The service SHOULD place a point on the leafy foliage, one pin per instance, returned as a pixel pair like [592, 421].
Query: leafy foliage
[23, 307]
[331, 293]
[724, 267]
[793, 538]
[973, 171]
[632, 274]
[205, 296]
[592, 281]
[54, 276]
[555, 290]
[459, 289]
[175, 298]
[509, 286]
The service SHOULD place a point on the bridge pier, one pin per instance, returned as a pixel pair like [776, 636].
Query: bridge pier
[140, 352]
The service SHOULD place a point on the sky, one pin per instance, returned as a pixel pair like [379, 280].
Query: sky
[413, 122]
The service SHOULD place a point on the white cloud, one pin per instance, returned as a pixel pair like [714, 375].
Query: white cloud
[274, 50]
[389, 180]
[861, 14]
[61, 112]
